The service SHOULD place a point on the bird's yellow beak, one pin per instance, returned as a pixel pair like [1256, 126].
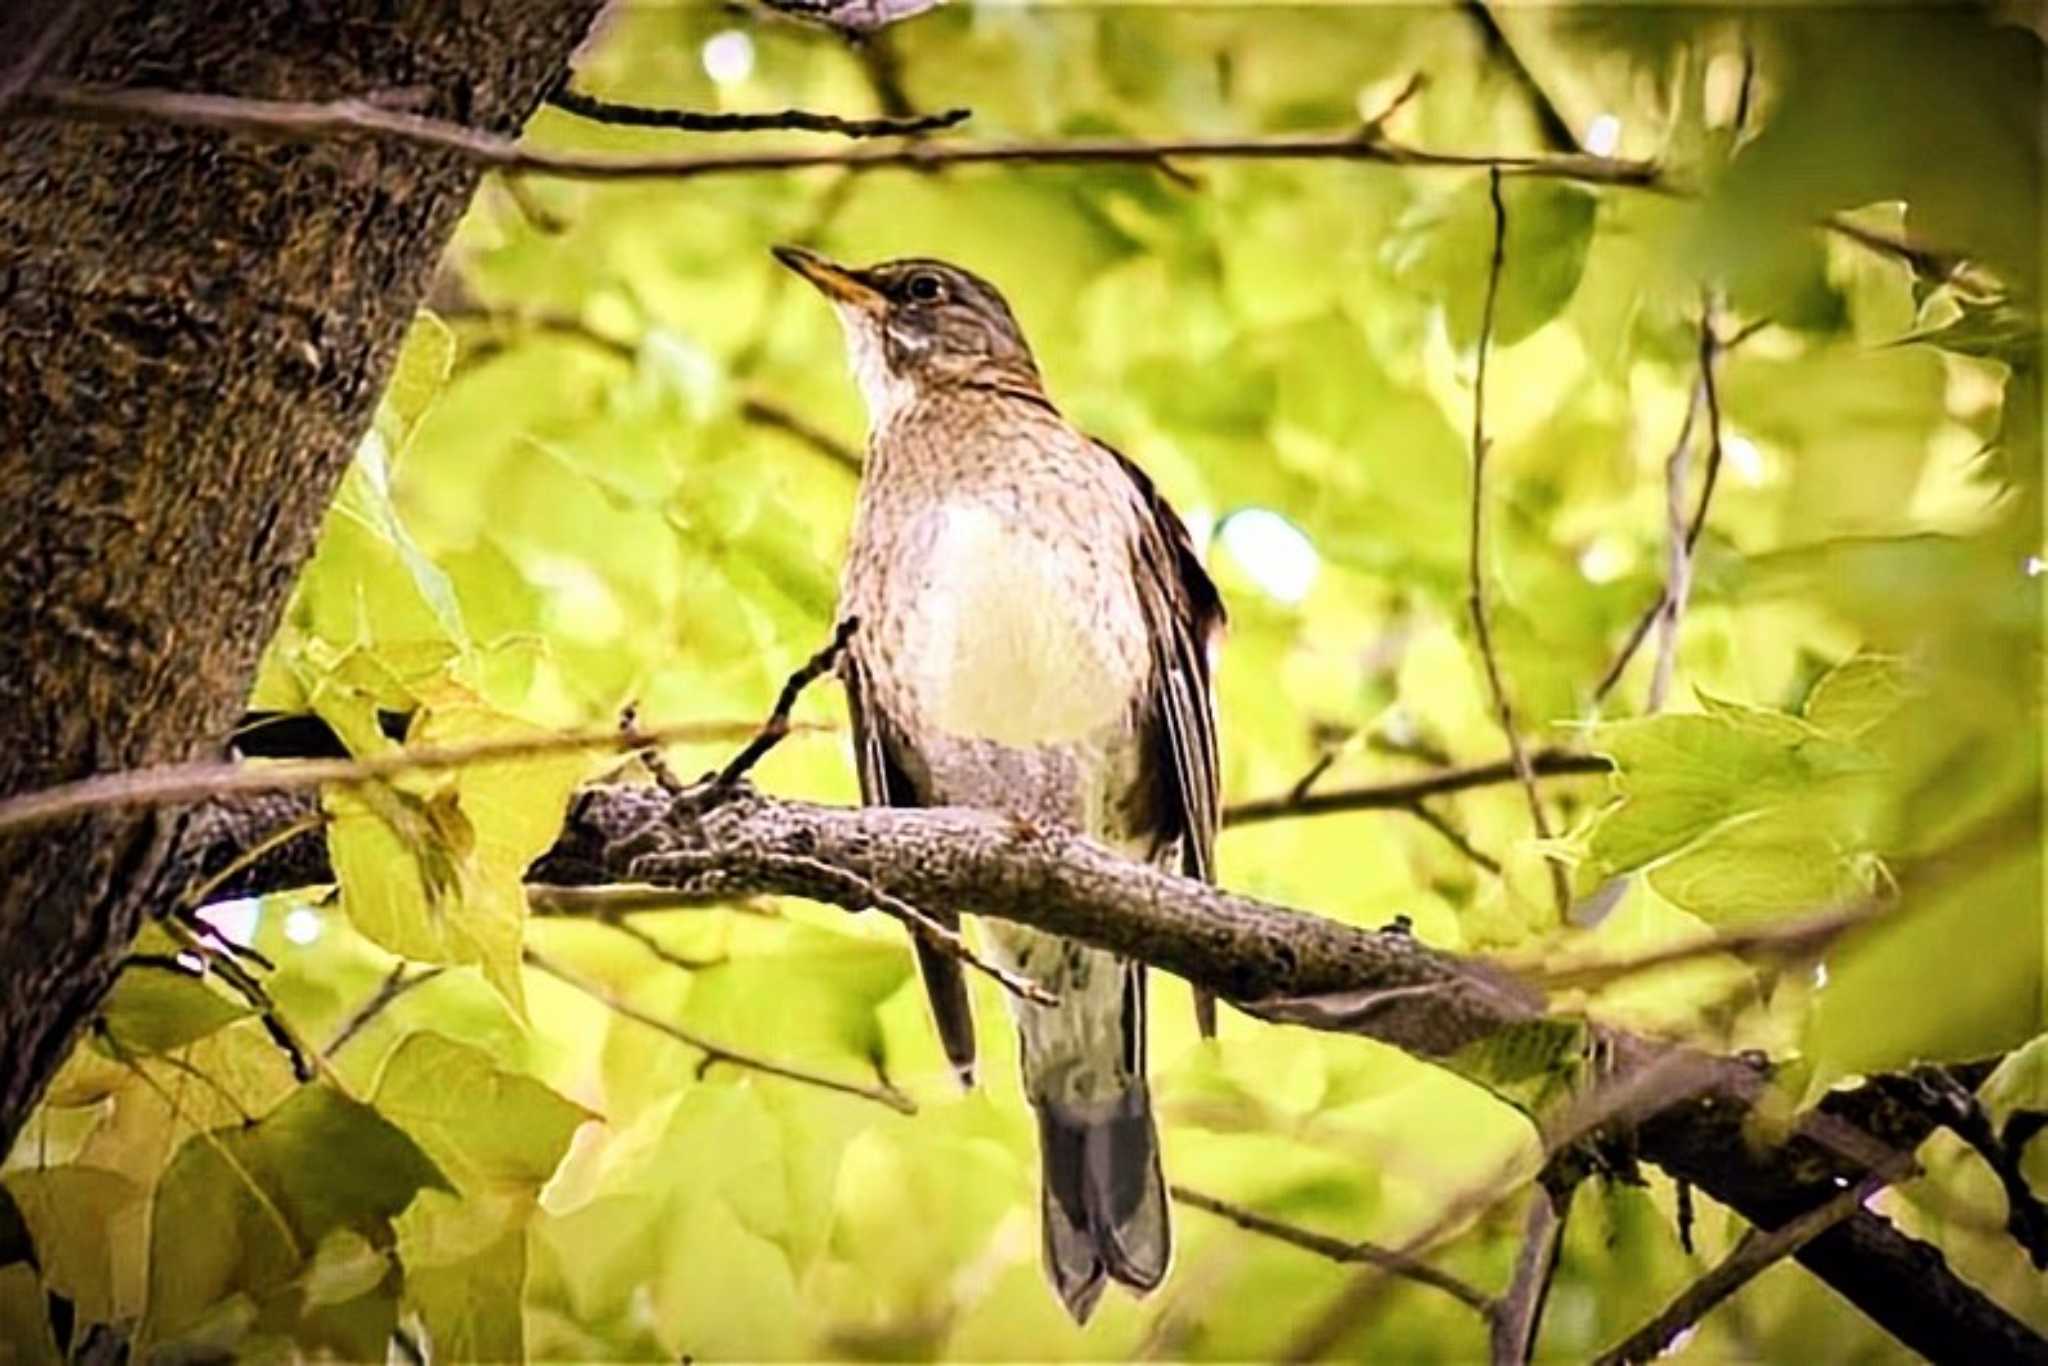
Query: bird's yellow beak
[834, 281]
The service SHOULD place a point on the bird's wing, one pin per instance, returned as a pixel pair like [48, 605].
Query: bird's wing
[1184, 614]
[884, 783]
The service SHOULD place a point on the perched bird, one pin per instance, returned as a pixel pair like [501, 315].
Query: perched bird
[1034, 634]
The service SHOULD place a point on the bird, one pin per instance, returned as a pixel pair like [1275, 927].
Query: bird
[1034, 638]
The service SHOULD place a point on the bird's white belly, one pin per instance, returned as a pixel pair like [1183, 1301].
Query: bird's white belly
[1009, 641]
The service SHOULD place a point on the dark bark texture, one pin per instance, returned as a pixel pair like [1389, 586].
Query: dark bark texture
[194, 328]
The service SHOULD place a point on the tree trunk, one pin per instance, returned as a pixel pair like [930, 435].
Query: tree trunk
[194, 328]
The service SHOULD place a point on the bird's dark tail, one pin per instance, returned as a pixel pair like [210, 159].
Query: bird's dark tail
[1105, 1199]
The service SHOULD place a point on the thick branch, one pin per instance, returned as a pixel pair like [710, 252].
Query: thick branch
[1688, 1108]
[1755, 1254]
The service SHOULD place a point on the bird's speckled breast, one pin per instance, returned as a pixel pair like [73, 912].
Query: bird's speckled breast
[1006, 639]
[1002, 638]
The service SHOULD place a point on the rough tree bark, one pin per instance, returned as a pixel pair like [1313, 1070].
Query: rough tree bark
[193, 332]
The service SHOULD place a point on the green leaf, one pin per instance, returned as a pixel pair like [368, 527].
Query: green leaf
[693, 1207]
[2020, 1085]
[155, 1010]
[425, 362]
[1444, 249]
[500, 1136]
[242, 1211]
[814, 997]
[471, 1306]
[442, 879]
[85, 1224]
[1878, 1013]
[1859, 693]
[483, 1126]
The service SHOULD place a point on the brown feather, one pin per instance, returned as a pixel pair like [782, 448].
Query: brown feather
[884, 783]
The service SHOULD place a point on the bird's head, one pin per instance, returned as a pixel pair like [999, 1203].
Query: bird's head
[917, 325]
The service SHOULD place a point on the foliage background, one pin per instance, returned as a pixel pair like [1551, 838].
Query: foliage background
[572, 501]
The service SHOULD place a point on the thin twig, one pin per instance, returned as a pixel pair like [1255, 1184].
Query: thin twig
[766, 412]
[1682, 545]
[1805, 937]
[783, 120]
[206, 1136]
[312, 120]
[947, 941]
[170, 784]
[295, 120]
[1677, 575]
[609, 902]
[882, 1094]
[238, 979]
[1428, 816]
[777, 726]
[1513, 1336]
[1482, 631]
[1756, 1253]
[1339, 1250]
[248, 857]
[1415, 84]
[548, 321]
[661, 951]
[1661, 1083]
[397, 982]
[1557, 134]
[755, 407]
[1402, 794]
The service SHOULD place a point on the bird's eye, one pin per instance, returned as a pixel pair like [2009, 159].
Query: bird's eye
[925, 288]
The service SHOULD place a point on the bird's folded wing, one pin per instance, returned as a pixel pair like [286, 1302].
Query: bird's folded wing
[1184, 613]
[884, 783]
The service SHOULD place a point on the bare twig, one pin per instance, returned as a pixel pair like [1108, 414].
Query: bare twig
[1557, 134]
[763, 411]
[1804, 937]
[777, 726]
[359, 118]
[1641, 630]
[1414, 86]
[1683, 533]
[1428, 816]
[1514, 1327]
[1403, 794]
[1339, 1250]
[1756, 1253]
[948, 941]
[538, 216]
[882, 1093]
[546, 321]
[222, 963]
[171, 784]
[1475, 561]
[204, 888]
[1677, 572]
[756, 408]
[399, 981]
[784, 120]
[611, 902]
[1643, 1091]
